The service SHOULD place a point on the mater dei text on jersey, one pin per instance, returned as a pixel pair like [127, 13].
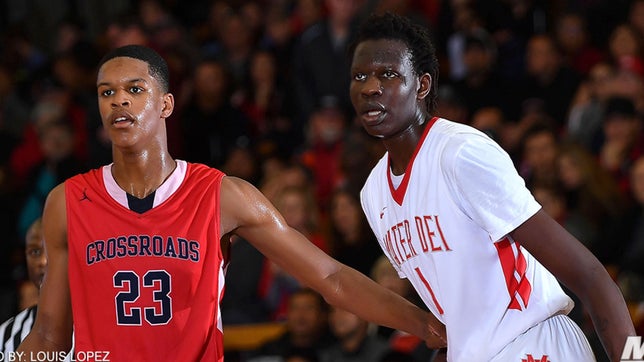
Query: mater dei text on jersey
[406, 238]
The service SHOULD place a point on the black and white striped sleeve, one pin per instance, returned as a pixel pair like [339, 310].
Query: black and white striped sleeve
[15, 329]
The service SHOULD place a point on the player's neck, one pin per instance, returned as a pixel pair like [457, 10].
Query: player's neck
[141, 175]
[401, 148]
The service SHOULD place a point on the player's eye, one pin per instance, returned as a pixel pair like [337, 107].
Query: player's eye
[106, 93]
[136, 89]
[359, 76]
[389, 74]
[34, 252]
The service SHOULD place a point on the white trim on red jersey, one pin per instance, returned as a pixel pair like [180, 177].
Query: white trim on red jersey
[162, 193]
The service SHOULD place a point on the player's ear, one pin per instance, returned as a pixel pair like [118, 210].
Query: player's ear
[425, 84]
[168, 105]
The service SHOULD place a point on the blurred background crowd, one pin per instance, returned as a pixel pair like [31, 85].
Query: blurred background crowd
[261, 89]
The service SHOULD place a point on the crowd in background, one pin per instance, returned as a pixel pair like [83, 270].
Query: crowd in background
[262, 93]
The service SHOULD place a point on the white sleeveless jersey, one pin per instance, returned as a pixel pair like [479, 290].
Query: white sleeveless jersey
[445, 228]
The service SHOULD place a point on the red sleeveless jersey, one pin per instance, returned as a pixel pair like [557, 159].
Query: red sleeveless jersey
[146, 287]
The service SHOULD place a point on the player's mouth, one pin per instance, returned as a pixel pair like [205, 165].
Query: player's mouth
[373, 114]
[121, 120]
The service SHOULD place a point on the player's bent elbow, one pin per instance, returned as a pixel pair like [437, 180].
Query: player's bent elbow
[331, 289]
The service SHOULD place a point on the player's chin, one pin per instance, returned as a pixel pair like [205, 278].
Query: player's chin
[374, 130]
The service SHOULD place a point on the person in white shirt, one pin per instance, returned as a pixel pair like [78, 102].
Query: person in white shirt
[454, 217]
[16, 328]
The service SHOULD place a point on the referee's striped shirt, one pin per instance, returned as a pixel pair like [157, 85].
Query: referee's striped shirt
[15, 329]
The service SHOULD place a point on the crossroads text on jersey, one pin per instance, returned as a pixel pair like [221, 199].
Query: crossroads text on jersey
[142, 245]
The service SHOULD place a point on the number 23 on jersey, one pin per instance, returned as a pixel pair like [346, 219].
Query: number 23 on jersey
[157, 283]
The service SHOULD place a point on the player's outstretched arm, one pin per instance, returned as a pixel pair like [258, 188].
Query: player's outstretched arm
[247, 213]
[577, 268]
[52, 330]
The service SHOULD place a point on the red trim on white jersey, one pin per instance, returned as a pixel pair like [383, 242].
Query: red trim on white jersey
[399, 193]
[430, 290]
[514, 267]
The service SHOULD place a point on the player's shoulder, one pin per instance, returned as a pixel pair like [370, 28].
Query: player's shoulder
[199, 170]
[236, 187]
[457, 132]
[57, 193]
[82, 180]
[453, 137]
[242, 204]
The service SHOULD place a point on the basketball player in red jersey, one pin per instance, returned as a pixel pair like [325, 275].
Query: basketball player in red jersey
[136, 248]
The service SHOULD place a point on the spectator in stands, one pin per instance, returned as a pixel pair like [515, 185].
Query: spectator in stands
[548, 78]
[491, 121]
[622, 139]
[320, 63]
[481, 85]
[353, 242]
[56, 139]
[465, 21]
[586, 109]
[538, 154]
[306, 13]
[360, 152]
[14, 109]
[631, 268]
[307, 328]
[593, 195]
[237, 42]
[14, 330]
[242, 303]
[626, 48]
[297, 205]
[552, 198]
[636, 15]
[631, 260]
[125, 29]
[265, 102]
[279, 37]
[451, 105]
[327, 127]
[354, 343]
[212, 127]
[572, 37]
[403, 344]
[279, 175]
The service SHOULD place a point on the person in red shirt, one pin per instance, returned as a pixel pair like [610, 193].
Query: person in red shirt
[137, 248]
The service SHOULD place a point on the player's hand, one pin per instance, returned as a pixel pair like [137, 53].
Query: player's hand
[437, 334]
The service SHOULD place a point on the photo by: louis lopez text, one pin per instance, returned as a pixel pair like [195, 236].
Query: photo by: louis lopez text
[46, 356]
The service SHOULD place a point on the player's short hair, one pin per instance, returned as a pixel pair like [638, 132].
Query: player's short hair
[157, 66]
[416, 37]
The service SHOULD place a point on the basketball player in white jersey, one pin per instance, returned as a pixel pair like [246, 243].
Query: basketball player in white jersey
[455, 218]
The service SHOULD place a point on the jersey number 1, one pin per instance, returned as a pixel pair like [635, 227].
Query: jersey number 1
[132, 316]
